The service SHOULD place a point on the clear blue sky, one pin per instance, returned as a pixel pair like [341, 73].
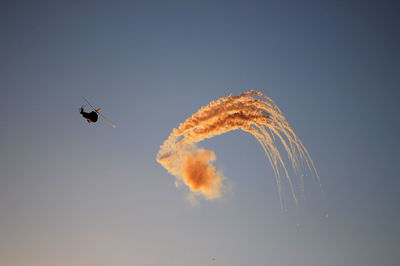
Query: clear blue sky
[79, 194]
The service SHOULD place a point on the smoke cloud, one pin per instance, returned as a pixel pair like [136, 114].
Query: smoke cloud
[251, 112]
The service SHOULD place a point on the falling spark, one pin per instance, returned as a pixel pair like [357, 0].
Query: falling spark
[257, 116]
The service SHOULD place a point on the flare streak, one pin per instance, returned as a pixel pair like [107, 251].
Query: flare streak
[257, 116]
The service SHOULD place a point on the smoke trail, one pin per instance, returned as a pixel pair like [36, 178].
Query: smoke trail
[257, 116]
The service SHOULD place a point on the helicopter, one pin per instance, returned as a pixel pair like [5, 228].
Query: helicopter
[93, 116]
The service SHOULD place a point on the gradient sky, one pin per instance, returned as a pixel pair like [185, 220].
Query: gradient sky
[90, 195]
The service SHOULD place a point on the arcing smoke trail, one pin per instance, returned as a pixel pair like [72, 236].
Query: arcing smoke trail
[259, 117]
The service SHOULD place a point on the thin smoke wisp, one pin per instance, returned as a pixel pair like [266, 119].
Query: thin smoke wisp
[251, 112]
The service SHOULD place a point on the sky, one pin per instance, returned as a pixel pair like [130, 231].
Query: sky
[78, 194]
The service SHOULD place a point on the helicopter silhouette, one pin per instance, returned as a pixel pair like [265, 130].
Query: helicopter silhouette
[93, 116]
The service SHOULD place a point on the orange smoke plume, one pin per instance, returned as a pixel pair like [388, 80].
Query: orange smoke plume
[257, 116]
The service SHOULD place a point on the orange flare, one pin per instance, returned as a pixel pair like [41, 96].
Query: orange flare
[200, 175]
[259, 117]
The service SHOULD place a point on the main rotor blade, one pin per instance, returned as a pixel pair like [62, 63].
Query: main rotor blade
[108, 121]
[89, 103]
